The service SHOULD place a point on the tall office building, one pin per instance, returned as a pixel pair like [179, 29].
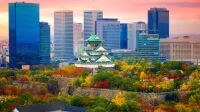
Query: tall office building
[78, 38]
[90, 16]
[158, 22]
[63, 35]
[109, 30]
[134, 29]
[24, 34]
[123, 36]
[44, 43]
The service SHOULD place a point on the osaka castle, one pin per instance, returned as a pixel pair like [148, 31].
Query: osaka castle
[94, 55]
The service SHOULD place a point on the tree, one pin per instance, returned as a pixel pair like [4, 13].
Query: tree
[118, 99]
[195, 75]
[97, 109]
[130, 106]
[195, 99]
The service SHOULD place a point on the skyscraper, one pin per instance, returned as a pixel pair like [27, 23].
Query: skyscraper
[123, 36]
[109, 30]
[90, 16]
[134, 29]
[158, 22]
[63, 35]
[24, 34]
[44, 43]
[78, 38]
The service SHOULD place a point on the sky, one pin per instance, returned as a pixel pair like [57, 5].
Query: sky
[184, 14]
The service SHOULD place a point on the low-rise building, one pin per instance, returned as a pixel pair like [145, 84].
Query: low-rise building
[185, 49]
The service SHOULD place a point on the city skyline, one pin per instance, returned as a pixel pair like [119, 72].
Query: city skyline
[126, 11]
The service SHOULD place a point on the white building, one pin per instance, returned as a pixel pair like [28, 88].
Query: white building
[133, 30]
[78, 38]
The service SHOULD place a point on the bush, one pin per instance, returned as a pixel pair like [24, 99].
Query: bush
[97, 109]
[130, 106]
[76, 101]
[131, 96]
[78, 81]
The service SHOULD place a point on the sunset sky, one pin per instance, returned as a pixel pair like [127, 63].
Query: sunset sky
[184, 14]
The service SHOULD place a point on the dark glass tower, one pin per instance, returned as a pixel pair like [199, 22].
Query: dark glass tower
[44, 43]
[123, 36]
[158, 22]
[24, 34]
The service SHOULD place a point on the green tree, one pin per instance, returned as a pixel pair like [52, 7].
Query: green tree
[130, 106]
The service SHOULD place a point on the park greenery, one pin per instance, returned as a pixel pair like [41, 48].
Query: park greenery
[130, 75]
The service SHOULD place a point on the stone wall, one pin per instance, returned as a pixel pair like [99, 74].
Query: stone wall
[65, 86]
[110, 93]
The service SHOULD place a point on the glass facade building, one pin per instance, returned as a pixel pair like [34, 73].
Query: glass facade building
[123, 36]
[63, 36]
[90, 16]
[24, 34]
[147, 47]
[148, 44]
[158, 22]
[44, 43]
[109, 30]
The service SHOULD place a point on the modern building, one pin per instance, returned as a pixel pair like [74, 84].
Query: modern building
[158, 22]
[148, 44]
[109, 30]
[24, 34]
[186, 49]
[63, 36]
[123, 36]
[121, 54]
[90, 16]
[44, 43]
[134, 29]
[78, 38]
[147, 47]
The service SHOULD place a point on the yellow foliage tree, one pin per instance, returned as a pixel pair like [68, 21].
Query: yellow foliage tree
[88, 80]
[118, 99]
[195, 75]
[167, 84]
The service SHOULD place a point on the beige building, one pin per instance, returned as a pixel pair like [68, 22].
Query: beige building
[181, 49]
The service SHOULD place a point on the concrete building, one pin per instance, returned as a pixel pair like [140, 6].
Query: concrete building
[135, 29]
[63, 35]
[186, 49]
[90, 16]
[78, 38]
[108, 29]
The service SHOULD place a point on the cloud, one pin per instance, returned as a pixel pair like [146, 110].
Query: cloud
[180, 4]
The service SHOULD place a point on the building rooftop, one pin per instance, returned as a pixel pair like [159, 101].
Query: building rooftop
[94, 38]
[47, 107]
[181, 39]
